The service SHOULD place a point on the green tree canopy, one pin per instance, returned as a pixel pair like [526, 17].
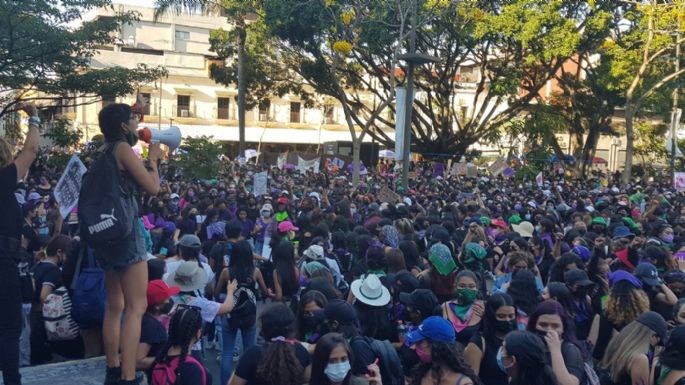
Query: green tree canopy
[46, 49]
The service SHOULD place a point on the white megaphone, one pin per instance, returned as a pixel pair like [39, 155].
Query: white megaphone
[170, 137]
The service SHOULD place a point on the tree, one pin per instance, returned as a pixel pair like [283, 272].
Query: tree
[249, 60]
[325, 40]
[514, 46]
[640, 52]
[199, 158]
[45, 59]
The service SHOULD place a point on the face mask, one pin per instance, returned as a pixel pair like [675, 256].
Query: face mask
[580, 292]
[538, 229]
[466, 296]
[499, 361]
[424, 356]
[667, 238]
[353, 211]
[131, 138]
[166, 309]
[506, 326]
[337, 372]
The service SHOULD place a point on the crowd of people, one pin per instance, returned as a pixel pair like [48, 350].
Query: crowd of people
[455, 280]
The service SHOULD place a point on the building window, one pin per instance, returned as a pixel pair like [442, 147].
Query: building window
[223, 105]
[264, 110]
[329, 114]
[295, 112]
[182, 35]
[183, 103]
[148, 98]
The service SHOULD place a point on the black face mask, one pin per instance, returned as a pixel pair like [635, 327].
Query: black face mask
[542, 334]
[505, 326]
[580, 292]
[166, 309]
[315, 321]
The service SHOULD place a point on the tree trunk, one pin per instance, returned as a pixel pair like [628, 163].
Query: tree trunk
[630, 138]
[356, 162]
[241, 88]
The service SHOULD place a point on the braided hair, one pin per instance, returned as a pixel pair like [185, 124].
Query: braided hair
[280, 364]
[183, 327]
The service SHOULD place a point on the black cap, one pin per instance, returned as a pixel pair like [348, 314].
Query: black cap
[341, 311]
[648, 274]
[577, 276]
[677, 339]
[654, 321]
[422, 300]
[404, 282]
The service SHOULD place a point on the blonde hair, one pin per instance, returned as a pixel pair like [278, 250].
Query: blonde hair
[6, 157]
[624, 348]
[625, 303]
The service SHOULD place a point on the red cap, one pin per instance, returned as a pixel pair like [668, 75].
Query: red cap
[158, 291]
[282, 200]
[499, 223]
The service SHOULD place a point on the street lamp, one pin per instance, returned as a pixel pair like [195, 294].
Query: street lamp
[412, 58]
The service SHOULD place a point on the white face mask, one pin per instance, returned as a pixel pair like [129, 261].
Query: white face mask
[337, 372]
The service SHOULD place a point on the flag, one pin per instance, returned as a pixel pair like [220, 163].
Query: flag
[539, 180]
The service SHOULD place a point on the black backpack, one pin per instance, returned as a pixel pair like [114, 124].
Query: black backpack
[389, 360]
[244, 311]
[106, 211]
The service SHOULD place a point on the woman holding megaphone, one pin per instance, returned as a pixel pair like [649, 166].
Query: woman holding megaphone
[125, 267]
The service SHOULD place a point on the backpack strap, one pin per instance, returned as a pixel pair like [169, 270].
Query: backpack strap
[79, 261]
[190, 358]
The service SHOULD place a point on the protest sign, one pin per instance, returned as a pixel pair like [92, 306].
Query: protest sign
[259, 183]
[498, 166]
[471, 170]
[679, 181]
[304, 165]
[387, 195]
[69, 186]
[458, 169]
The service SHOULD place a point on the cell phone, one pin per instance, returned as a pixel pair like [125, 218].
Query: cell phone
[163, 250]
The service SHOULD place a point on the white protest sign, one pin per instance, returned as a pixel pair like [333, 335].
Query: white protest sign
[259, 183]
[679, 181]
[69, 186]
[304, 165]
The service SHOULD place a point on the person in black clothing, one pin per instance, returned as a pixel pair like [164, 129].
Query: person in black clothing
[153, 333]
[282, 360]
[185, 329]
[11, 171]
[481, 352]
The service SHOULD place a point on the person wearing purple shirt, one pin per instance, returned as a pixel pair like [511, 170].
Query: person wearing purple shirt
[247, 223]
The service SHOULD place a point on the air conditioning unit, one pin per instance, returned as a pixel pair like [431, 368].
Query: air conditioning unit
[185, 113]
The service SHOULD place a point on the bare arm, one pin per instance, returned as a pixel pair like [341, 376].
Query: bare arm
[667, 296]
[31, 145]
[229, 302]
[262, 285]
[45, 291]
[639, 371]
[149, 181]
[594, 331]
[223, 278]
[473, 357]
[236, 380]
[277, 287]
[143, 362]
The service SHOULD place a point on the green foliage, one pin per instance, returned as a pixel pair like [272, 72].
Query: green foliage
[62, 134]
[43, 51]
[650, 145]
[199, 158]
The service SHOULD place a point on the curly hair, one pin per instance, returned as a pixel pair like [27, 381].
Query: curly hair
[625, 303]
[443, 355]
[279, 365]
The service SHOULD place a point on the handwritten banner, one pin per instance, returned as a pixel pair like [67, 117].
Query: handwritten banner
[69, 186]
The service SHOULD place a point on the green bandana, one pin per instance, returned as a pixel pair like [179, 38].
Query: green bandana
[280, 217]
[441, 258]
[466, 296]
[460, 310]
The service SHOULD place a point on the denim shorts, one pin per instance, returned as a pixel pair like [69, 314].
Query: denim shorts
[128, 252]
